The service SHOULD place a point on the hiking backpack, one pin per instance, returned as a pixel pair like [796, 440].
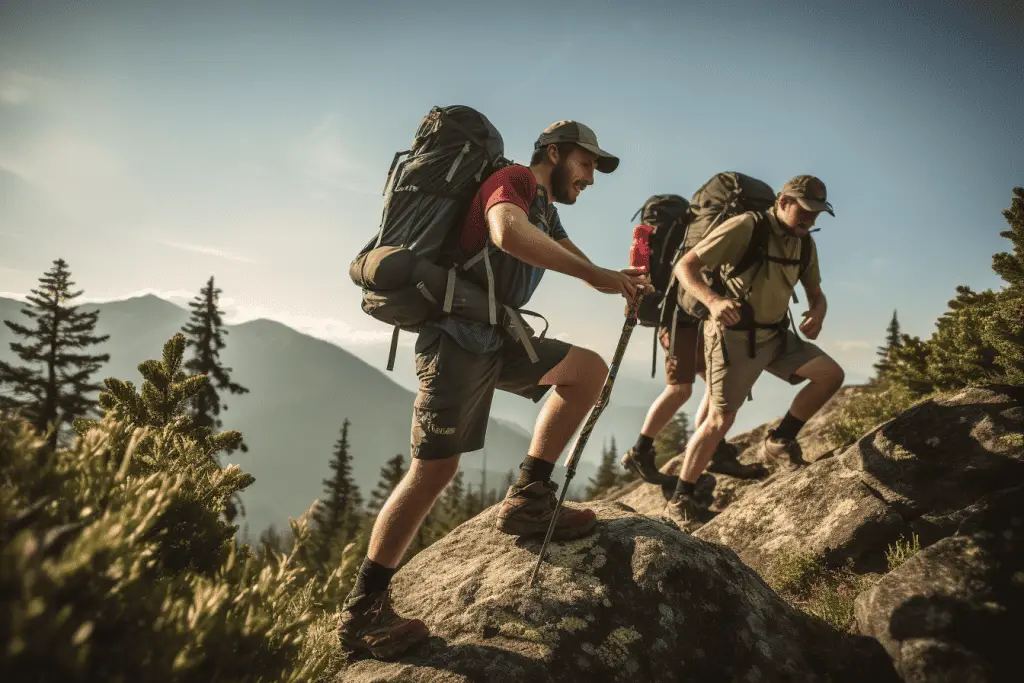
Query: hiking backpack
[722, 197]
[668, 215]
[428, 195]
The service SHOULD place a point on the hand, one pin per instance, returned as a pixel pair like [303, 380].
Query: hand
[725, 311]
[627, 282]
[811, 326]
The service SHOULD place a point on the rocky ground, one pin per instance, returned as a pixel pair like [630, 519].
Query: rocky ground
[642, 600]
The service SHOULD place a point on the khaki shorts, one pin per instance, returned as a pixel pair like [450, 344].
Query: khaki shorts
[731, 384]
[453, 403]
[687, 358]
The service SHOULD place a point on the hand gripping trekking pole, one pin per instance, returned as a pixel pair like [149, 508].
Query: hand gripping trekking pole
[581, 441]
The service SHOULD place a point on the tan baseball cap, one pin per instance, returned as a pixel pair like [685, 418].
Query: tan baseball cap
[584, 136]
[810, 192]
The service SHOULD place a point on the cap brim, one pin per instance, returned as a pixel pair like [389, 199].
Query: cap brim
[816, 205]
[606, 163]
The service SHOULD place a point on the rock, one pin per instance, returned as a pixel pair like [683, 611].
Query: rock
[636, 601]
[955, 610]
[724, 489]
[943, 454]
[820, 509]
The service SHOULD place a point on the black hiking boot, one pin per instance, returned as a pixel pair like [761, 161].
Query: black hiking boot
[642, 464]
[726, 461]
[527, 511]
[786, 452]
[370, 626]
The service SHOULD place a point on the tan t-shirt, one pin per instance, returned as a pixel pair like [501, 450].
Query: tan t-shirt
[769, 285]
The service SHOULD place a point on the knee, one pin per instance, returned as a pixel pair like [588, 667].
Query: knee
[432, 475]
[833, 376]
[593, 370]
[720, 420]
[679, 392]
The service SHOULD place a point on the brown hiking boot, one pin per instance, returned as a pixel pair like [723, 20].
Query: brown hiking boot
[786, 452]
[370, 626]
[726, 461]
[642, 464]
[527, 510]
[685, 510]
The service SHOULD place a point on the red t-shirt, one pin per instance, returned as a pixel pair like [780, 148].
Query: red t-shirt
[514, 183]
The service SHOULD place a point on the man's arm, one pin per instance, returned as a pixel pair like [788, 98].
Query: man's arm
[568, 244]
[512, 232]
[816, 299]
[687, 270]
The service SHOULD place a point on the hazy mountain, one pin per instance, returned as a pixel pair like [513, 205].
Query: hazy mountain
[301, 389]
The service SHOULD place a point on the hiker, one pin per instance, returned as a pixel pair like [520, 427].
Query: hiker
[754, 260]
[660, 240]
[460, 362]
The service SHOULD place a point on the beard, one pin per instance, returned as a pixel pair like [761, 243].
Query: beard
[560, 184]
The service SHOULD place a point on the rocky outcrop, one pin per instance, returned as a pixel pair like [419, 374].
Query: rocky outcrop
[910, 474]
[637, 601]
[723, 489]
[954, 611]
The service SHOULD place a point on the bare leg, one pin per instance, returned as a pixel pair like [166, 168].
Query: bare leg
[702, 445]
[826, 377]
[406, 508]
[665, 407]
[577, 381]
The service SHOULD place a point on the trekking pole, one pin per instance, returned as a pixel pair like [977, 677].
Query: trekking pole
[581, 441]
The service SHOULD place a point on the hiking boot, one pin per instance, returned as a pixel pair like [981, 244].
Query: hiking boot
[787, 453]
[527, 511]
[370, 626]
[726, 461]
[642, 464]
[685, 510]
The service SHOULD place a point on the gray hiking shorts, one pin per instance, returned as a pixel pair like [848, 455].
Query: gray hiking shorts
[453, 403]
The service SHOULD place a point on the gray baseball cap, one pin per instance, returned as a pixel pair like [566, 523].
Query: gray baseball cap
[579, 134]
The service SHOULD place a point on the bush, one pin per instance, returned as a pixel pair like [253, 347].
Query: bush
[805, 581]
[116, 563]
[865, 411]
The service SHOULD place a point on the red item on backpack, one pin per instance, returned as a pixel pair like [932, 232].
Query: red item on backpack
[640, 251]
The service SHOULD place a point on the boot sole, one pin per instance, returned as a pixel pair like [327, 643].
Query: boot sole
[525, 529]
[629, 464]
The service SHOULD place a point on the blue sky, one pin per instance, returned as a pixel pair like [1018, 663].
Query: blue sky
[153, 147]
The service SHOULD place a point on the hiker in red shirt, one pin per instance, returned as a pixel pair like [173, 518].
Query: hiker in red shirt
[460, 362]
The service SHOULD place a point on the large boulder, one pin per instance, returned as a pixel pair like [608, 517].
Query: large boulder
[955, 610]
[638, 600]
[911, 474]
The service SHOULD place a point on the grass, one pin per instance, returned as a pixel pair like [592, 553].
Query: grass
[806, 582]
[901, 551]
[864, 412]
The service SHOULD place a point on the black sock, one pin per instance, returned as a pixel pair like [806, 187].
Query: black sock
[643, 444]
[372, 578]
[685, 488]
[789, 427]
[534, 469]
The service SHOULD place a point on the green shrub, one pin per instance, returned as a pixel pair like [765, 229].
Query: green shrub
[116, 563]
[867, 410]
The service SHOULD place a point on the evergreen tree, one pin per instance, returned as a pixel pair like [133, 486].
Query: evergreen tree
[390, 474]
[336, 519]
[52, 391]
[1010, 266]
[671, 441]
[892, 341]
[452, 502]
[606, 476]
[206, 332]
[1006, 333]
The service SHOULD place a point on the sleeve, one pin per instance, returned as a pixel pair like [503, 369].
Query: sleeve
[514, 184]
[725, 244]
[812, 276]
[557, 231]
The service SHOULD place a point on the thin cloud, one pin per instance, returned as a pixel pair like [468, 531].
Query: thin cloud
[18, 87]
[851, 344]
[325, 162]
[206, 250]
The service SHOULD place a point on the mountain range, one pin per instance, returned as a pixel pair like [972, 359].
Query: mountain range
[301, 389]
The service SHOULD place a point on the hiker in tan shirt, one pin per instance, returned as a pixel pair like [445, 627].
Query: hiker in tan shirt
[736, 351]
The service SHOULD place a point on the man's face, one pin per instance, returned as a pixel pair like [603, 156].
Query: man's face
[795, 217]
[571, 175]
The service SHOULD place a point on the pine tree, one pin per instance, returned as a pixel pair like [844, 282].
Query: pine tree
[336, 519]
[606, 476]
[892, 341]
[1010, 266]
[390, 474]
[452, 501]
[671, 441]
[206, 332]
[55, 392]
